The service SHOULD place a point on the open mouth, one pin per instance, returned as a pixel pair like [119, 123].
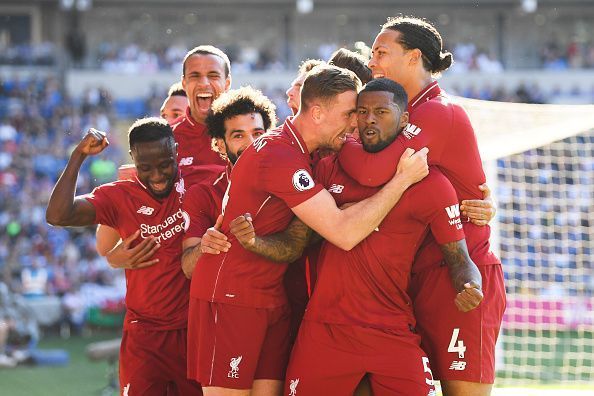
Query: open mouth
[369, 133]
[379, 75]
[204, 101]
[159, 187]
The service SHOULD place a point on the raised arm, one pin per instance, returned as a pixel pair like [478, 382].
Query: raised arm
[465, 275]
[356, 162]
[346, 228]
[64, 209]
[282, 247]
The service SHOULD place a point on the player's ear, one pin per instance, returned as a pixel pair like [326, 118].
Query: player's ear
[219, 145]
[415, 56]
[317, 115]
[403, 119]
[131, 155]
[227, 82]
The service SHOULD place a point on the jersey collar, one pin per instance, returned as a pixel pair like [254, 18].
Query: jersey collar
[429, 92]
[291, 130]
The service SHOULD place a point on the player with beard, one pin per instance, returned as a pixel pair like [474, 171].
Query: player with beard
[238, 117]
[242, 287]
[359, 320]
[149, 206]
[206, 74]
[409, 51]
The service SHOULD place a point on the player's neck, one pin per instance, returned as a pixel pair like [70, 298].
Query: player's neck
[416, 86]
[197, 117]
[307, 131]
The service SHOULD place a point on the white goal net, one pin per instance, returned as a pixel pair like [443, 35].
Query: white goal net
[542, 157]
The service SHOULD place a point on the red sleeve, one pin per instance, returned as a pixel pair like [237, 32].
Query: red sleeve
[436, 204]
[356, 162]
[103, 199]
[288, 175]
[201, 209]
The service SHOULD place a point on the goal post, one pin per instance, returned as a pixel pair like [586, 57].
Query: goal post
[539, 161]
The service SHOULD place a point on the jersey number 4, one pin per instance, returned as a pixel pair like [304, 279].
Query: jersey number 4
[457, 347]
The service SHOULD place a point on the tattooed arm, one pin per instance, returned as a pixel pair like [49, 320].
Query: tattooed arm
[282, 247]
[465, 275]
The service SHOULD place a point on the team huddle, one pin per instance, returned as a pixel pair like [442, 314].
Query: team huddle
[345, 251]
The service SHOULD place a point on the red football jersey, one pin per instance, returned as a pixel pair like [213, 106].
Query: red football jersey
[367, 286]
[443, 126]
[156, 296]
[203, 204]
[271, 176]
[194, 143]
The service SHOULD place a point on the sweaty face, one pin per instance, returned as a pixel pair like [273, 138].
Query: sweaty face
[204, 80]
[174, 107]
[389, 58]
[240, 131]
[379, 119]
[294, 93]
[339, 120]
[156, 165]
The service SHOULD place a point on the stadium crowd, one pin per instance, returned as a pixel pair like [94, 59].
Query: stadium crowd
[39, 124]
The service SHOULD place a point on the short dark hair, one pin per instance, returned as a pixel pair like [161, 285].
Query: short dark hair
[208, 50]
[309, 64]
[325, 82]
[352, 61]
[419, 33]
[176, 89]
[150, 129]
[244, 100]
[387, 85]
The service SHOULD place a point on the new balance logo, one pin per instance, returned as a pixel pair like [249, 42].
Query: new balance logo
[458, 365]
[411, 130]
[186, 161]
[453, 211]
[336, 188]
[145, 210]
[234, 364]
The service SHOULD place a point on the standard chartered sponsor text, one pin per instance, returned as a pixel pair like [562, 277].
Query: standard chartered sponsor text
[166, 229]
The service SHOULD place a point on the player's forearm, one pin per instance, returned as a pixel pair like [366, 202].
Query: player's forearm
[60, 208]
[283, 247]
[189, 259]
[356, 162]
[359, 220]
[461, 267]
[107, 239]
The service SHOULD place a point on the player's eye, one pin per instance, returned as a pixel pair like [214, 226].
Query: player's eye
[361, 111]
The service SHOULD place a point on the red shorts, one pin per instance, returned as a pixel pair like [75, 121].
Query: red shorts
[154, 363]
[331, 360]
[231, 346]
[460, 345]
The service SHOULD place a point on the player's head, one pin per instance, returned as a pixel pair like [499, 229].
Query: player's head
[381, 113]
[175, 104]
[206, 74]
[408, 48]
[154, 152]
[329, 100]
[294, 91]
[237, 118]
[352, 61]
